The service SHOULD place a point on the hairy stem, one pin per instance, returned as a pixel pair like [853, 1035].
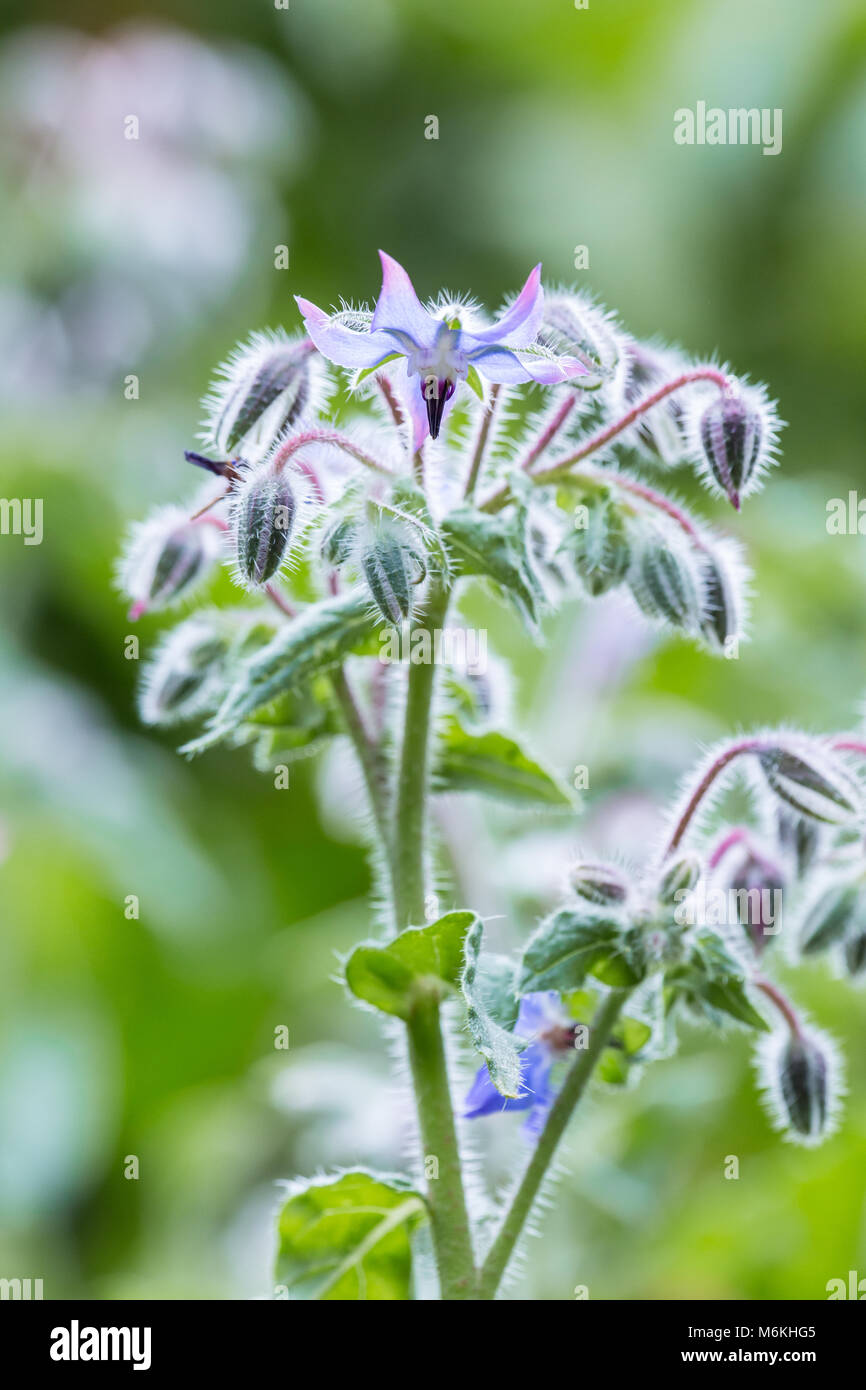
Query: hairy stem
[481, 443]
[368, 756]
[727, 755]
[582, 1067]
[334, 437]
[562, 468]
[411, 809]
[452, 1241]
[781, 1002]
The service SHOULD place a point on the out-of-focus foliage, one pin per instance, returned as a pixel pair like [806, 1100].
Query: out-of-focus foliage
[154, 1036]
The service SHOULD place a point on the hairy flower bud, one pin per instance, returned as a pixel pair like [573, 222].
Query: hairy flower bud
[854, 950]
[681, 876]
[802, 1077]
[385, 567]
[576, 327]
[810, 778]
[338, 540]
[659, 431]
[733, 438]
[829, 915]
[603, 884]
[185, 673]
[168, 557]
[263, 515]
[757, 886]
[722, 596]
[665, 583]
[268, 384]
[599, 544]
[799, 838]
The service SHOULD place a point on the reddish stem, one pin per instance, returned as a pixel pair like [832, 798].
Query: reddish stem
[734, 750]
[390, 399]
[340, 441]
[553, 428]
[604, 436]
[782, 1003]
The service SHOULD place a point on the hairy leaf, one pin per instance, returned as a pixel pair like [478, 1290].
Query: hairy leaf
[493, 763]
[420, 960]
[572, 944]
[491, 1011]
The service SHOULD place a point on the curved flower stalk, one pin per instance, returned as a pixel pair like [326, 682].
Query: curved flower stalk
[348, 544]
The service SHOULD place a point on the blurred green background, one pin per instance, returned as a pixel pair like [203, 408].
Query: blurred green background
[304, 127]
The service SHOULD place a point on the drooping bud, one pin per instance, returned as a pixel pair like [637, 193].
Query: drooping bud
[734, 439]
[338, 540]
[168, 557]
[385, 567]
[659, 431]
[827, 918]
[680, 877]
[665, 583]
[185, 675]
[268, 384]
[801, 1072]
[757, 888]
[807, 776]
[722, 598]
[598, 545]
[574, 326]
[799, 838]
[603, 884]
[263, 515]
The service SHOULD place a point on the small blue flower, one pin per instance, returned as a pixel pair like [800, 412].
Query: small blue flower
[550, 1037]
[436, 347]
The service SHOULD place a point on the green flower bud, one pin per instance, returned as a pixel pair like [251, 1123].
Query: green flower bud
[185, 674]
[263, 515]
[829, 916]
[603, 884]
[269, 383]
[338, 540]
[800, 838]
[386, 571]
[721, 601]
[731, 435]
[168, 557]
[599, 544]
[810, 778]
[854, 949]
[666, 585]
[805, 1087]
[680, 877]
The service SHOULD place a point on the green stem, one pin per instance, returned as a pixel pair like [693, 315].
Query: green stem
[452, 1242]
[515, 1218]
[370, 759]
[411, 809]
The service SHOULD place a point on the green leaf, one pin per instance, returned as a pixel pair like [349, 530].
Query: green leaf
[364, 372]
[491, 1012]
[493, 763]
[316, 641]
[410, 503]
[572, 944]
[421, 960]
[473, 381]
[711, 982]
[348, 1238]
[495, 547]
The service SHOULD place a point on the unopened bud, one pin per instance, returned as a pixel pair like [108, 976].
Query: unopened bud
[758, 886]
[827, 918]
[266, 386]
[733, 439]
[185, 673]
[721, 601]
[338, 540]
[809, 778]
[603, 884]
[854, 949]
[665, 584]
[805, 1086]
[573, 326]
[386, 571]
[599, 548]
[263, 515]
[681, 876]
[167, 559]
[798, 837]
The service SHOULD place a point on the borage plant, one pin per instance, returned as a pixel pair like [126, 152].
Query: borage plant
[465, 451]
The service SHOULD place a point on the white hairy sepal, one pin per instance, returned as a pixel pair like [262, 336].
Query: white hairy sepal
[151, 543]
[185, 677]
[237, 388]
[804, 1105]
[754, 399]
